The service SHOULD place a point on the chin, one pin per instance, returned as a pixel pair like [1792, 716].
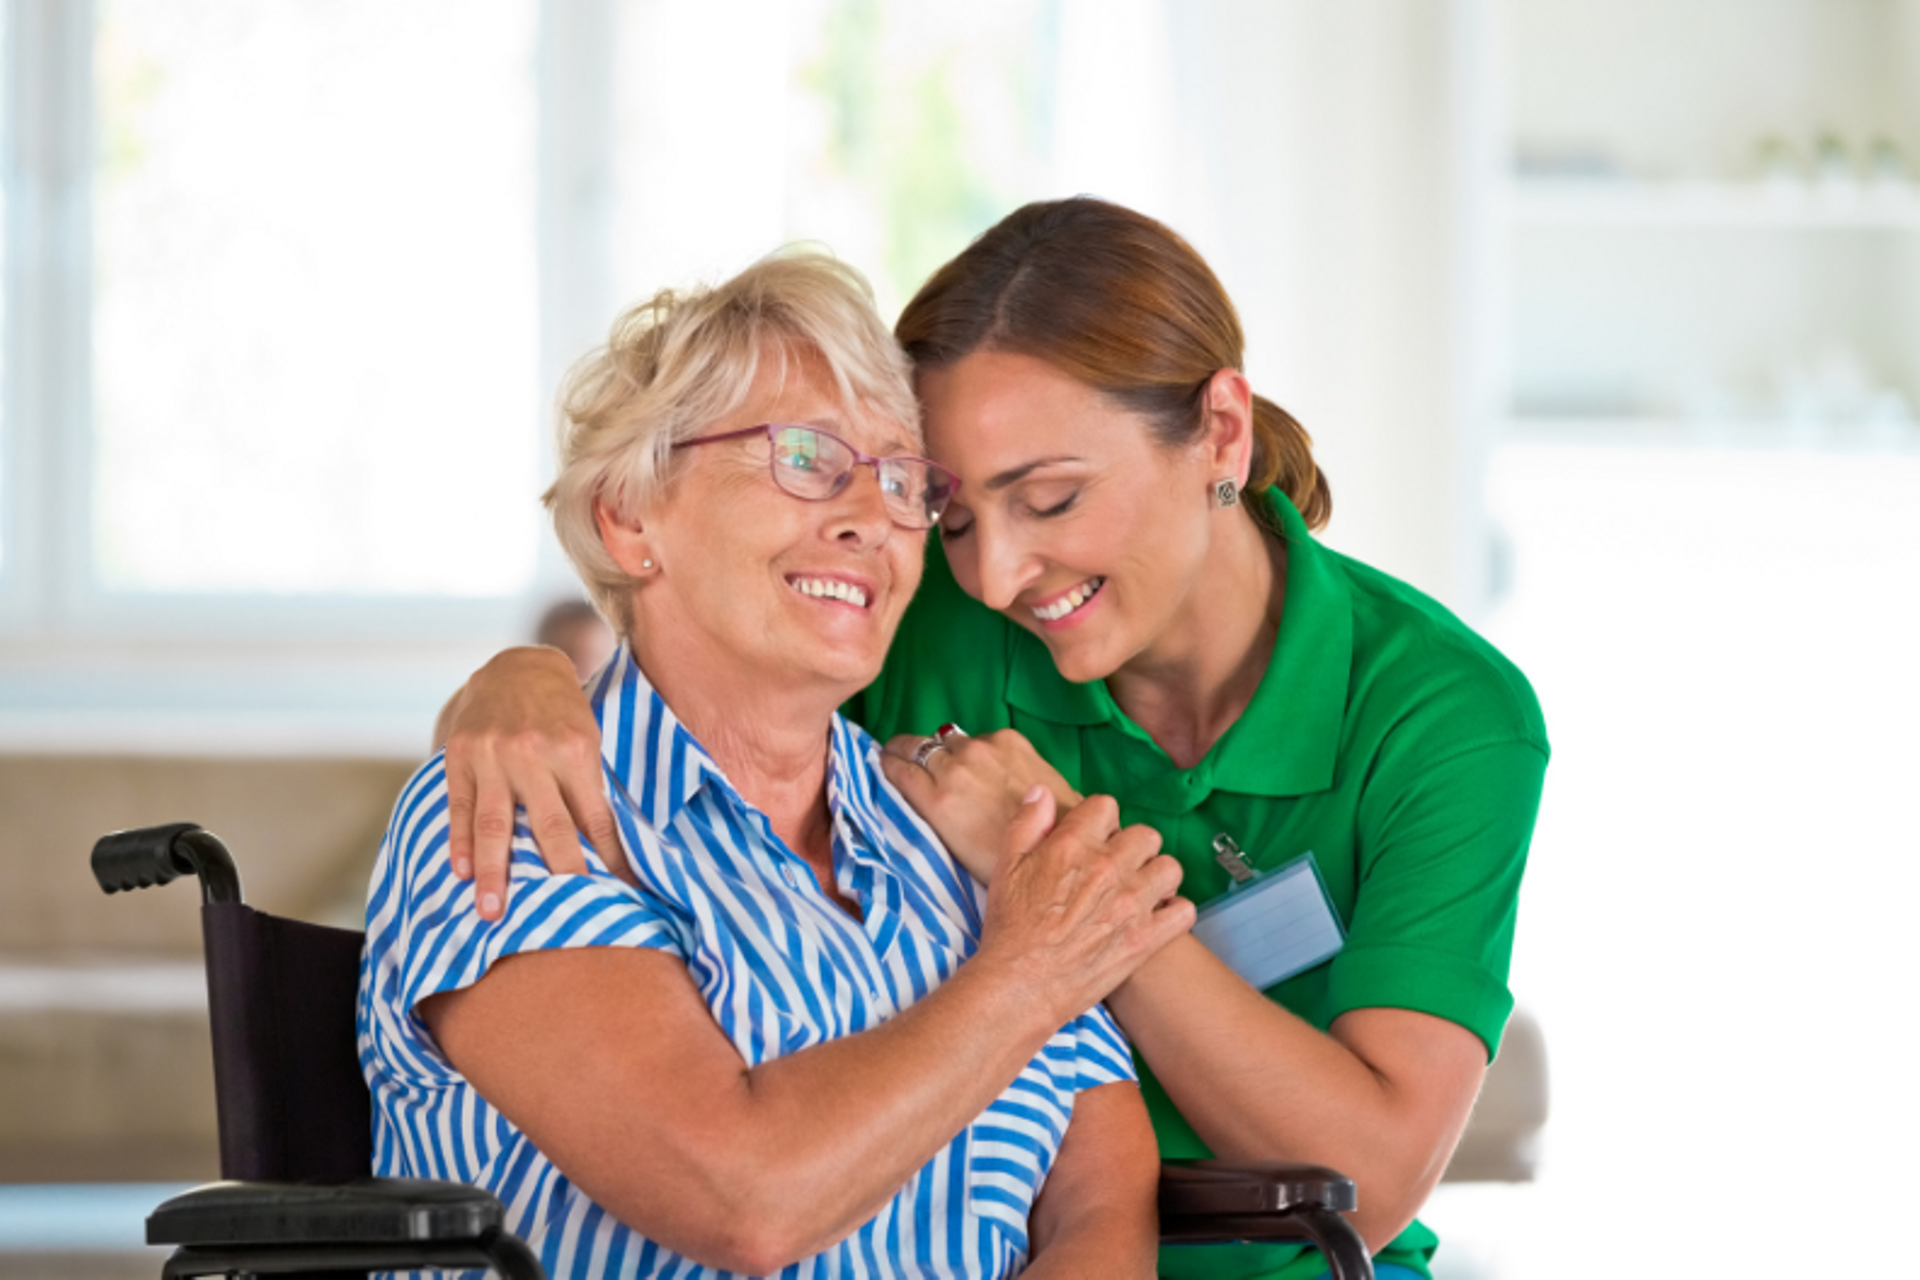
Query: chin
[855, 673]
[1080, 663]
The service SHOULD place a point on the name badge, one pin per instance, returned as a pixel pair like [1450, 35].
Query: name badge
[1270, 925]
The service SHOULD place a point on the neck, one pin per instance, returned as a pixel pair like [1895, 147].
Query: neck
[1188, 687]
[772, 743]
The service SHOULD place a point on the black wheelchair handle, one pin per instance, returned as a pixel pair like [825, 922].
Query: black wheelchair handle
[147, 856]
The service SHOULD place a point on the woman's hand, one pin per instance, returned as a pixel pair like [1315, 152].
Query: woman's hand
[970, 790]
[1077, 907]
[522, 733]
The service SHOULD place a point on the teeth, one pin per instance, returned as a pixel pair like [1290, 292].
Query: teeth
[1069, 602]
[830, 589]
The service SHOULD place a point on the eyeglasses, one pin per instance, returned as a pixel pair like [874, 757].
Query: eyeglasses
[815, 465]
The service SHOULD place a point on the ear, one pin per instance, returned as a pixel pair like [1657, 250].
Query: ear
[626, 540]
[1229, 436]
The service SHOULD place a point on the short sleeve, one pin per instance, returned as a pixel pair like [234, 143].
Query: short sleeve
[1102, 1055]
[425, 935]
[1444, 844]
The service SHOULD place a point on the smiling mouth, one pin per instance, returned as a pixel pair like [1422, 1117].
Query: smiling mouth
[1069, 602]
[830, 589]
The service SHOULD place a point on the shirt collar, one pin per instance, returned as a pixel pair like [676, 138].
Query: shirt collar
[1287, 740]
[663, 766]
[645, 747]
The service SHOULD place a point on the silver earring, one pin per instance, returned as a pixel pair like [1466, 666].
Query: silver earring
[646, 564]
[1225, 493]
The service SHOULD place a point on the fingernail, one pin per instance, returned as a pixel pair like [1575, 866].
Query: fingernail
[1033, 796]
[490, 905]
[462, 868]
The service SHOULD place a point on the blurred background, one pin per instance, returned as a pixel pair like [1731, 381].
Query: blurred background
[1605, 315]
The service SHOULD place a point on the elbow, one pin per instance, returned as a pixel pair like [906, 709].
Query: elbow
[746, 1250]
[756, 1246]
[744, 1225]
[1383, 1212]
[1389, 1201]
[1377, 1229]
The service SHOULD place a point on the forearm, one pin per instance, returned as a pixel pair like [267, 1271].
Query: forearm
[1096, 1215]
[826, 1137]
[1258, 1083]
[745, 1168]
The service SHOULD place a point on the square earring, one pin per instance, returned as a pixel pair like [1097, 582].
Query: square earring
[1225, 493]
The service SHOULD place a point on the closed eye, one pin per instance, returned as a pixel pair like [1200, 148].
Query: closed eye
[1058, 509]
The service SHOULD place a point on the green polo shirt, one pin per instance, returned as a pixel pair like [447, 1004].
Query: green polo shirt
[1386, 738]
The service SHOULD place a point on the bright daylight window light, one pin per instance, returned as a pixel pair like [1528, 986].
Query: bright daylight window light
[316, 308]
[890, 132]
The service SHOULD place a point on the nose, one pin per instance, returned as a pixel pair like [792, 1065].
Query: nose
[859, 513]
[1005, 568]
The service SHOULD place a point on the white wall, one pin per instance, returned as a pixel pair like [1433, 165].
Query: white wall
[1344, 160]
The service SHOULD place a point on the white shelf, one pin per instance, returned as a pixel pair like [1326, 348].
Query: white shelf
[1605, 203]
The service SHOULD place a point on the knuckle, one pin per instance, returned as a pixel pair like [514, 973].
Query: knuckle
[493, 825]
[553, 823]
[524, 742]
[1101, 875]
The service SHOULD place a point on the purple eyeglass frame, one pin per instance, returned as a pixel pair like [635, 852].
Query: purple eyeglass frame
[768, 428]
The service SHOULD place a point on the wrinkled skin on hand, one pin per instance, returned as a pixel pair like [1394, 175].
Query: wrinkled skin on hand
[1076, 907]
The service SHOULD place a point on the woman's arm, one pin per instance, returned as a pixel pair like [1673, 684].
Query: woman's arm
[661, 1122]
[1382, 1097]
[612, 1064]
[1096, 1215]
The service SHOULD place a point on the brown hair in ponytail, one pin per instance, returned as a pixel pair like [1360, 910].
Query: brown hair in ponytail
[1122, 303]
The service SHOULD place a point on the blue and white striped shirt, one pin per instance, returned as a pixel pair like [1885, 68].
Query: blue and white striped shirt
[779, 964]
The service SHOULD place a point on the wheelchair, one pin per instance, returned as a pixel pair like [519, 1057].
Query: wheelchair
[295, 1120]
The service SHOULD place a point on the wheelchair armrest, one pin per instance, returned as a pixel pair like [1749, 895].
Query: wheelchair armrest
[1218, 1202]
[372, 1223]
[1195, 1188]
[366, 1210]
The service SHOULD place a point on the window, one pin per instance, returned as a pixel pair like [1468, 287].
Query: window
[272, 436]
[289, 286]
[315, 300]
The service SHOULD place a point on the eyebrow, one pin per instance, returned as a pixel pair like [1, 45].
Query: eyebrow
[1015, 474]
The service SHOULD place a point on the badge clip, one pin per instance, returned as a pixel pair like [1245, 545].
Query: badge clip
[1233, 861]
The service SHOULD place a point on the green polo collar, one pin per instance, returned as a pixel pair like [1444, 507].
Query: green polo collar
[1286, 742]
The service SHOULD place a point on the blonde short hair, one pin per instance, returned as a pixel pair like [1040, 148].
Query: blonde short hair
[681, 361]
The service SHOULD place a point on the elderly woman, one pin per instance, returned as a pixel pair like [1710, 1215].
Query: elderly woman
[778, 1028]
